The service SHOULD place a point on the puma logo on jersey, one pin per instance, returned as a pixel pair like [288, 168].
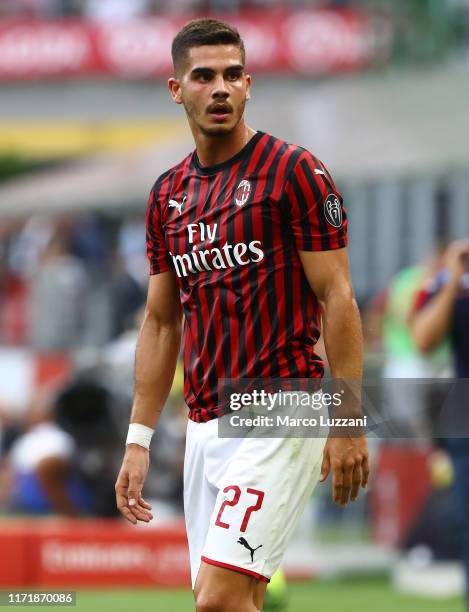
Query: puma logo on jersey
[176, 204]
[244, 543]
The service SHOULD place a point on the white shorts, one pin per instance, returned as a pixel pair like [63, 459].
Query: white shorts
[244, 496]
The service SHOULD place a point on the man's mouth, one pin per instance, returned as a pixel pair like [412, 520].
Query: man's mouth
[220, 110]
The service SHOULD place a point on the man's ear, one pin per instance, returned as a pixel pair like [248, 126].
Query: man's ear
[249, 83]
[175, 90]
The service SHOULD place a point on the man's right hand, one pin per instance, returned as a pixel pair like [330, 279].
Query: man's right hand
[129, 485]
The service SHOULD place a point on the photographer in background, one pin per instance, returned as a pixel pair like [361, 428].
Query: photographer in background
[65, 461]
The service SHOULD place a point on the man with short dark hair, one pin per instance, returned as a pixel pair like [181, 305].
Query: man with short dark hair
[247, 239]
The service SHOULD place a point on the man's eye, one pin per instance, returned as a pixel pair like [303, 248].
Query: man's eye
[203, 77]
[233, 76]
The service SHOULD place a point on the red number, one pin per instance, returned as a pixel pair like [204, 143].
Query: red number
[233, 502]
[251, 509]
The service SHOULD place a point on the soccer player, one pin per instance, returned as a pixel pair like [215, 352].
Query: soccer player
[247, 242]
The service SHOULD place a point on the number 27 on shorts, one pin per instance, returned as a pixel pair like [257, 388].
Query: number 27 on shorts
[234, 501]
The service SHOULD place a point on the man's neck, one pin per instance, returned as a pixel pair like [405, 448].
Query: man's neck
[213, 150]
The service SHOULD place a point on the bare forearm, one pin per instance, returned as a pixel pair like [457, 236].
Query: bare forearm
[155, 363]
[346, 451]
[432, 324]
[344, 348]
[343, 334]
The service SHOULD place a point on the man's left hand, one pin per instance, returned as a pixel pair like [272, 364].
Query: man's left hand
[347, 458]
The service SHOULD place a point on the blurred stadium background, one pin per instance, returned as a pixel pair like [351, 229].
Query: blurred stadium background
[379, 90]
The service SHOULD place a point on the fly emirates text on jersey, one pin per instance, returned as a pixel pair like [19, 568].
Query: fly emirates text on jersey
[204, 256]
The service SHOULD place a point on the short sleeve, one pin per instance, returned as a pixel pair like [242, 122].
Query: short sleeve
[314, 207]
[157, 252]
[427, 292]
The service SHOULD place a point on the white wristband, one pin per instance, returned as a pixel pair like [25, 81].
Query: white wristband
[139, 434]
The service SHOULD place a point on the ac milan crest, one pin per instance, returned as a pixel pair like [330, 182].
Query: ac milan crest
[242, 193]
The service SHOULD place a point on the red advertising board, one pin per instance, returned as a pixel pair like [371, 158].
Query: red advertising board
[92, 553]
[309, 42]
[400, 488]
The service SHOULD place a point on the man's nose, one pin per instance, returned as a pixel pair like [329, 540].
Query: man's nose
[220, 90]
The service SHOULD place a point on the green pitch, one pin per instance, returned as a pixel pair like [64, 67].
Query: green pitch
[360, 595]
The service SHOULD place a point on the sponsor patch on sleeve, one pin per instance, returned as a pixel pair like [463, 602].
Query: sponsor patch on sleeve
[333, 210]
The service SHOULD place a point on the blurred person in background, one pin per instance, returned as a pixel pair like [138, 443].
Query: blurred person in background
[57, 293]
[128, 283]
[386, 325]
[86, 410]
[65, 461]
[26, 243]
[91, 243]
[442, 312]
[42, 478]
[44, 285]
[442, 308]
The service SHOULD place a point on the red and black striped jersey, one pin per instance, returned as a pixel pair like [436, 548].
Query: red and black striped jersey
[232, 233]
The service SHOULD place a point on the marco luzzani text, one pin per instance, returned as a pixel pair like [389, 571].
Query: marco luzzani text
[289, 399]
